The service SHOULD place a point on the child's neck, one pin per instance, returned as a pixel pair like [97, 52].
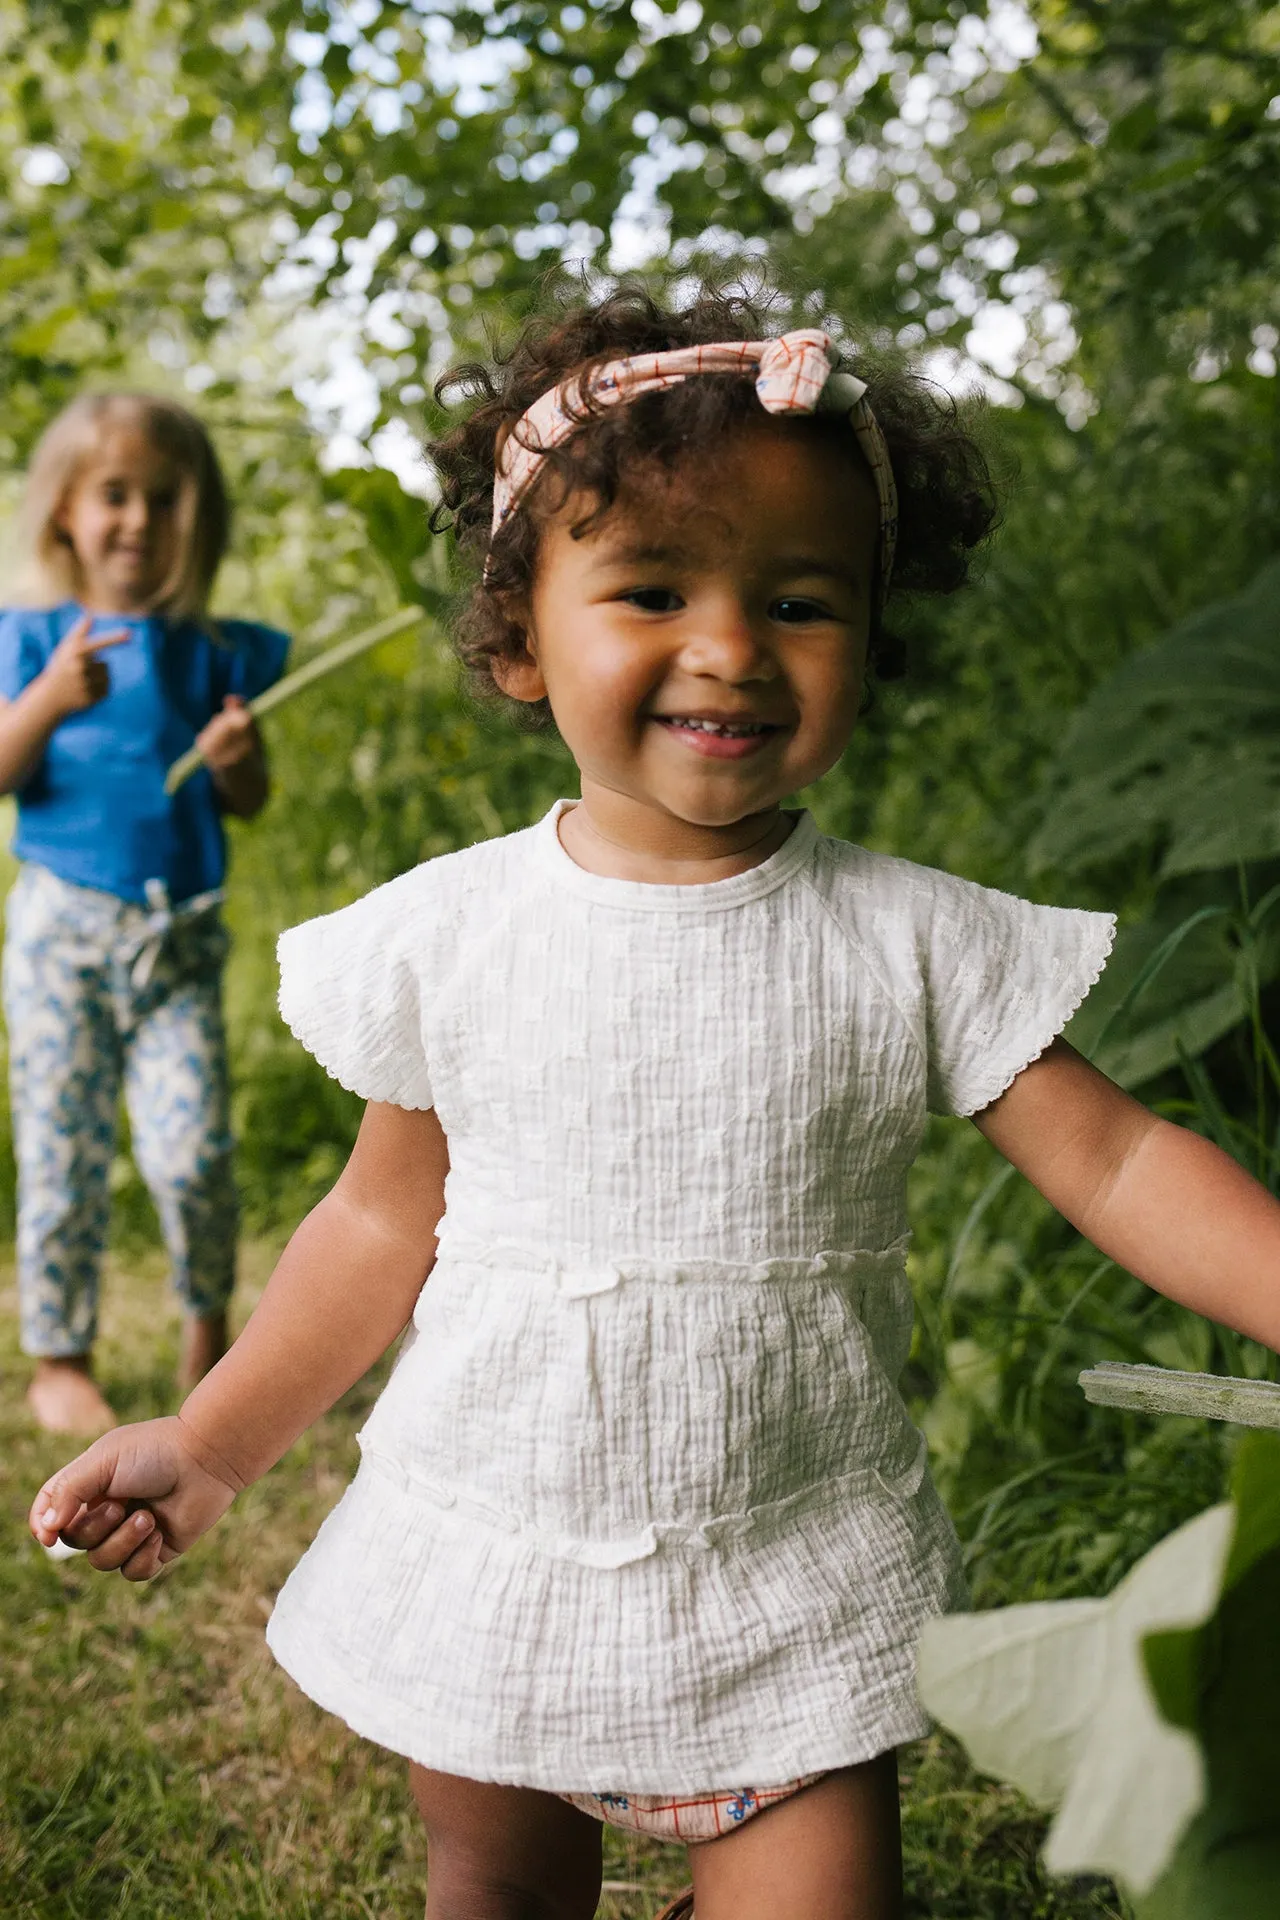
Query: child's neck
[623, 839]
[103, 602]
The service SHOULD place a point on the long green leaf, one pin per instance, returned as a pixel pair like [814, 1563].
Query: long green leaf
[294, 683]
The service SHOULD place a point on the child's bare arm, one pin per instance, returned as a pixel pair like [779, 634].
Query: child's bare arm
[1165, 1204]
[343, 1289]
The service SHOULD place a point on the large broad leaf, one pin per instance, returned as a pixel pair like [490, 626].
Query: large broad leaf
[397, 522]
[1151, 1719]
[1221, 1682]
[1179, 749]
[1054, 1698]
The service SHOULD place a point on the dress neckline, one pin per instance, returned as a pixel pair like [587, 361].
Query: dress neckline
[703, 896]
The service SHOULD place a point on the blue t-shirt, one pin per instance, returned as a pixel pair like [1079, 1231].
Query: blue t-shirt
[95, 810]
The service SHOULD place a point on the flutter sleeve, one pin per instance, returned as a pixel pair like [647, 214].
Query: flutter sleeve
[352, 991]
[1002, 978]
[26, 641]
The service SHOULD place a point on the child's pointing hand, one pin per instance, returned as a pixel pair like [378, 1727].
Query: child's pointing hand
[76, 677]
[136, 1498]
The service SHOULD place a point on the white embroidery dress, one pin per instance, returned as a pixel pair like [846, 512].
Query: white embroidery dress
[641, 1503]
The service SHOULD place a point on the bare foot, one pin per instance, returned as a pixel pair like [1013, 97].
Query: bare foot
[65, 1398]
[204, 1341]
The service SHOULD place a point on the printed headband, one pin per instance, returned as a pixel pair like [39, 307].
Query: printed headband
[796, 373]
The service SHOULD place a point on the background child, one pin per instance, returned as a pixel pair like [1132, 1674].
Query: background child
[114, 945]
[643, 1532]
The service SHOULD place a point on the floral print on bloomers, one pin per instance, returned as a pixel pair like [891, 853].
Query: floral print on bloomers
[99, 992]
[689, 1817]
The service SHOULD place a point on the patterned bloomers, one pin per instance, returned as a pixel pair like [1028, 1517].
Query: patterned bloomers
[97, 990]
[690, 1817]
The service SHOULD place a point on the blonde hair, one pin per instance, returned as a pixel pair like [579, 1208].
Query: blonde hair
[202, 519]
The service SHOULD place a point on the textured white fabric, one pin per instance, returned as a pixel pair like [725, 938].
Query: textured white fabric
[641, 1507]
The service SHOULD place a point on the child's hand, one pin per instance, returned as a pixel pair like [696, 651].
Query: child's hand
[136, 1498]
[75, 677]
[230, 738]
[231, 747]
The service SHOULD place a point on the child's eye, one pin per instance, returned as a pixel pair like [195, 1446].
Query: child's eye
[795, 608]
[113, 494]
[653, 599]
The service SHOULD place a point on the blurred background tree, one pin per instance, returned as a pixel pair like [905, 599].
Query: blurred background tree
[294, 214]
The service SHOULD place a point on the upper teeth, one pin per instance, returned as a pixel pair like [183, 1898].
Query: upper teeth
[719, 726]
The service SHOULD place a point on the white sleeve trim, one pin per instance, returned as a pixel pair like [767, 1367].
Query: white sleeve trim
[353, 1002]
[980, 1090]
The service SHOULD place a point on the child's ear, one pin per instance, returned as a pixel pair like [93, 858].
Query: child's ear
[516, 671]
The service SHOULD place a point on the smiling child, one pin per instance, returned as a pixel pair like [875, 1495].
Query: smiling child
[114, 945]
[643, 1531]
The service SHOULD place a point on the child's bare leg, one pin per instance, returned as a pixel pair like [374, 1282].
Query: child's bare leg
[64, 1397]
[505, 1853]
[831, 1852]
[204, 1341]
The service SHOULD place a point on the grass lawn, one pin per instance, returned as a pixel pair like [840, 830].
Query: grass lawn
[155, 1763]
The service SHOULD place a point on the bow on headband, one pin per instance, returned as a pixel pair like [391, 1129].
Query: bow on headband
[796, 373]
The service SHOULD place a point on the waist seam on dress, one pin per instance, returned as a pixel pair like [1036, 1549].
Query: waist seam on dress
[719, 1533]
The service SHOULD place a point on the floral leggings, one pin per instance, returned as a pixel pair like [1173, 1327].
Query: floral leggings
[100, 992]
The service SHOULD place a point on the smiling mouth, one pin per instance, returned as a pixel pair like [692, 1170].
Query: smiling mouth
[723, 729]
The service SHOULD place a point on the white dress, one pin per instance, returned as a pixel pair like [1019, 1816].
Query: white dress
[641, 1505]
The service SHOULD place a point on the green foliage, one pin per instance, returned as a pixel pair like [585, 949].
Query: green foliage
[179, 183]
[1183, 977]
[1173, 762]
[1221, 1682]
[1051, 1497]
[1150, 1720]
[1179, 749]
[1053, 1697]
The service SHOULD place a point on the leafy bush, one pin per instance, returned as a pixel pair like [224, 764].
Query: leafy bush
[1175, 760]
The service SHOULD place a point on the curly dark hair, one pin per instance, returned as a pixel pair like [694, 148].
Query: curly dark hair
[946, 495]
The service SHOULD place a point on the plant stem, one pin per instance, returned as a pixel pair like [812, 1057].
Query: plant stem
[324, 663]
[1208, 1396]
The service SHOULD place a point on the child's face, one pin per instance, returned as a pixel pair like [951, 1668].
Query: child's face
[120, 516]
[703, 648]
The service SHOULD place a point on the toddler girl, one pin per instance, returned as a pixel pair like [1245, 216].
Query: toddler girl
[114, 945]
[643, 1532]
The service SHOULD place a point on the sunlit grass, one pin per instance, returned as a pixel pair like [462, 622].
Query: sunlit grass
[155, 1763]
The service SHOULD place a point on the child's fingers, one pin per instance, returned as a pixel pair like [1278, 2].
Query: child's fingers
[120, 1546]
[82, 1484]
[91, 1527]
[232, 722]
[101, 640]
[149, 1558]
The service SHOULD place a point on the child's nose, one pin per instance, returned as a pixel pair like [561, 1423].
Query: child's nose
[730, 644]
